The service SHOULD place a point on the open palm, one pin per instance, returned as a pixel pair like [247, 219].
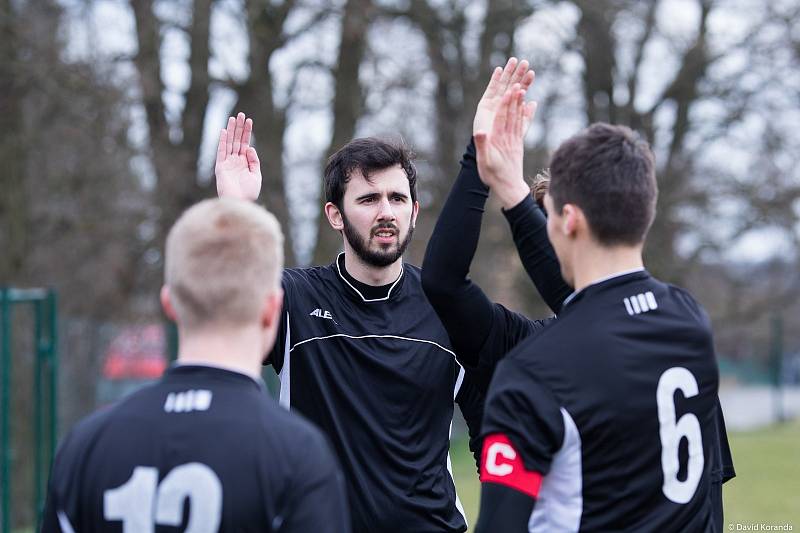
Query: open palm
[500, 151]
[237, 169]
[502, 80]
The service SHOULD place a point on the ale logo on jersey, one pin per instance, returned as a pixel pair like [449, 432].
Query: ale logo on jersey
[321, 314]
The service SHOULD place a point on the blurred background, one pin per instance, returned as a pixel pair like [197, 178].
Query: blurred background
[110, 112]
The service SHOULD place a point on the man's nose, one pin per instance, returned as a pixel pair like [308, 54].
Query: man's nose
[386, 211]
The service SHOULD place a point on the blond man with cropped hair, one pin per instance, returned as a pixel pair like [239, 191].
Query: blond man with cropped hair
[207, 432]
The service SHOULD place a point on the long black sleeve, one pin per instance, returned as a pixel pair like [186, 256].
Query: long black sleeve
[462, 306]
[481, 331]
[529, 229]
[503, 509]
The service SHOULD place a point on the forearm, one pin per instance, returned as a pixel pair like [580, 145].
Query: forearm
[503, 509]
[461, 305]
[455, 237]
[529, 229]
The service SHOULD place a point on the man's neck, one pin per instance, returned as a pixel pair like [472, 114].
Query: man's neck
[370, 274]
[238, 352]
[594, 263]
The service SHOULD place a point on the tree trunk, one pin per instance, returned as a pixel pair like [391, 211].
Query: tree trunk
[348, 105]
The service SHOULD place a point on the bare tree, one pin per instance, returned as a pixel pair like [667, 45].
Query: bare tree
[348, 103]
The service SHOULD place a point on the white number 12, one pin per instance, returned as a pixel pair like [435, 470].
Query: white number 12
[142, 498]
[671, 433]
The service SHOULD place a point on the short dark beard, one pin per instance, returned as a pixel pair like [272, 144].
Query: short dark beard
[378, 259]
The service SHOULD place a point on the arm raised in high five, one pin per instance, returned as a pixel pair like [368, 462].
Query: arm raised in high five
[500, 150]
[237, 169]
[503, 78]
[475, 324]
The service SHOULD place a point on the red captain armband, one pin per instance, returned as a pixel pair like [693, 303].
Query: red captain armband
[501, 463]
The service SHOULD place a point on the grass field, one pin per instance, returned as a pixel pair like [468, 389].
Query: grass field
[766, 489]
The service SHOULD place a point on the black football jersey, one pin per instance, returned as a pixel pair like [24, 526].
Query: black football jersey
[202, 450]
[613, 407]
[379, 377]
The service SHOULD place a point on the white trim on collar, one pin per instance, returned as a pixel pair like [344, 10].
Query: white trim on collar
[601, 280]
[388, 294]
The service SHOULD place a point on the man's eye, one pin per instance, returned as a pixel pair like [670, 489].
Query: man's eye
[398, 198]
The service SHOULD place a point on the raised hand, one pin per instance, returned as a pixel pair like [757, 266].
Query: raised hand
[500, 151]
[237, 168]
[515, 72]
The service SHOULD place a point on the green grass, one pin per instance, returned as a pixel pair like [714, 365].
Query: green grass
[765, 490]
[767, 483]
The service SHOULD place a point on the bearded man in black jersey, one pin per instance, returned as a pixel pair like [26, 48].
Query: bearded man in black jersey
[360, 351]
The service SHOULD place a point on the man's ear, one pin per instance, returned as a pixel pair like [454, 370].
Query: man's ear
[271, 311]
[572, 219]
[166, 303]
[414, 214]
[334, 215]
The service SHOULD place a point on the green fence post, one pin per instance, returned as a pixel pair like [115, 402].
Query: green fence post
[38, 342]
[52, 357]
[5, 408]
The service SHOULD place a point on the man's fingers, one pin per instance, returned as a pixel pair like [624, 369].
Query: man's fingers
[515, 112]
[508, 71]
[229, 137]
[248, 130]
[527, 80]
[501, 117]
[237, 134]
[494, 81]
[519, 72]
[528, 114]
[222, 146]
[253, 164]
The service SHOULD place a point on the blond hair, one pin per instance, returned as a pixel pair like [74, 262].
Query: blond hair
[223, 258]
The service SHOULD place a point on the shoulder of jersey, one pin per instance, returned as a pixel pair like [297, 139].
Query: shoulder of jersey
[413, 270]
[543, 342]
[310, 280]
[692, 305]
[86, 428]
[323, 272]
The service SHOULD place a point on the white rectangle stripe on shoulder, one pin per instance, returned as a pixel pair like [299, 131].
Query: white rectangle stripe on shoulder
[651, 300]
[643, 302]
[635, 304]
[285, 396]
[628, 306]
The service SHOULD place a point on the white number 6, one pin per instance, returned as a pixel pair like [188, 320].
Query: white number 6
[671, 434]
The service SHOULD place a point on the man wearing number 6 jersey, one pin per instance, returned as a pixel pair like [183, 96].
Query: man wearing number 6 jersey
[604, 420]
[205, 449]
